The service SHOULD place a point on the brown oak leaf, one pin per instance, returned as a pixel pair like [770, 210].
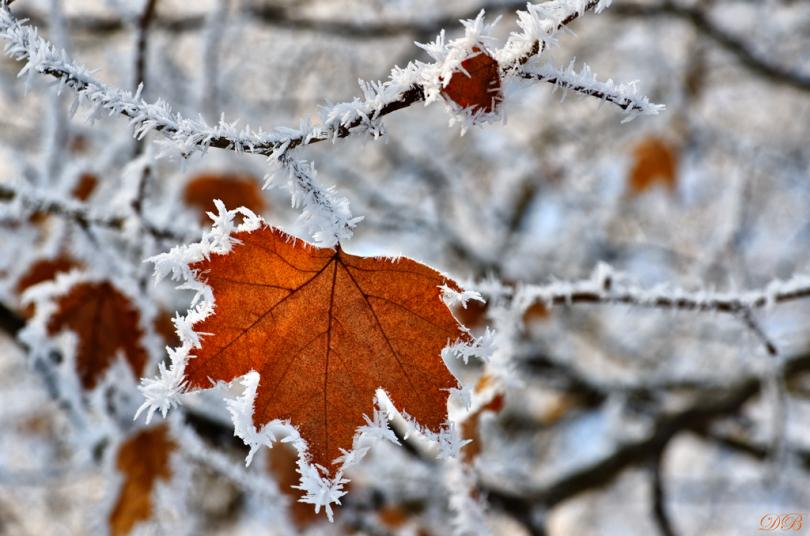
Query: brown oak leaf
[536, 312]
[325, 329]
[479, 88]
[233, 190]
[143, 459]
[105, 322]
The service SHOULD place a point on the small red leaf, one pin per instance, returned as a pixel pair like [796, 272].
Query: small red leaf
[481, 90]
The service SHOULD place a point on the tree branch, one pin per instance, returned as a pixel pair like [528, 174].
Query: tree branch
[25, 44]
[659, 503]
[694, 418]
[281, 17]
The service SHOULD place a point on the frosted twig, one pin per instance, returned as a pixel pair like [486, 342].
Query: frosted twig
[538, 25]
[625, 96]
[25, 44]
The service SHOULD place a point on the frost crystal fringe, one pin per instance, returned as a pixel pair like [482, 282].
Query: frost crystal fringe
[539, 23]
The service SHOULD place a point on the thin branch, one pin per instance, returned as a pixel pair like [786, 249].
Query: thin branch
[724, 401]
[142, 40]
[659, 503]
[144, 23]
[625, 96]
[748, 319]
[695, 418]
[753, 449]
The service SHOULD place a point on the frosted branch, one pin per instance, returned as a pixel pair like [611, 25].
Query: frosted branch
[25, 44]
[326, 213]
[24, 200]
[403, 88]
[607, 287]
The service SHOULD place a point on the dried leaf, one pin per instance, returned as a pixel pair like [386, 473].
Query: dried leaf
[105, 322]
[536, 312]
[44, 270]
[85, 186]
[479, 88]
[473, 315]
[392, 516]
[486, 381]
[142, 460]
[164, 327]
[655, 161]
[233, 190]
[325, 329]
[470, 430]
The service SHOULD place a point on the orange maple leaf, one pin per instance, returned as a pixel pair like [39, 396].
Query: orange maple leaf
[478, 86]
[325, 329]
[143, 459]
[105, 322]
